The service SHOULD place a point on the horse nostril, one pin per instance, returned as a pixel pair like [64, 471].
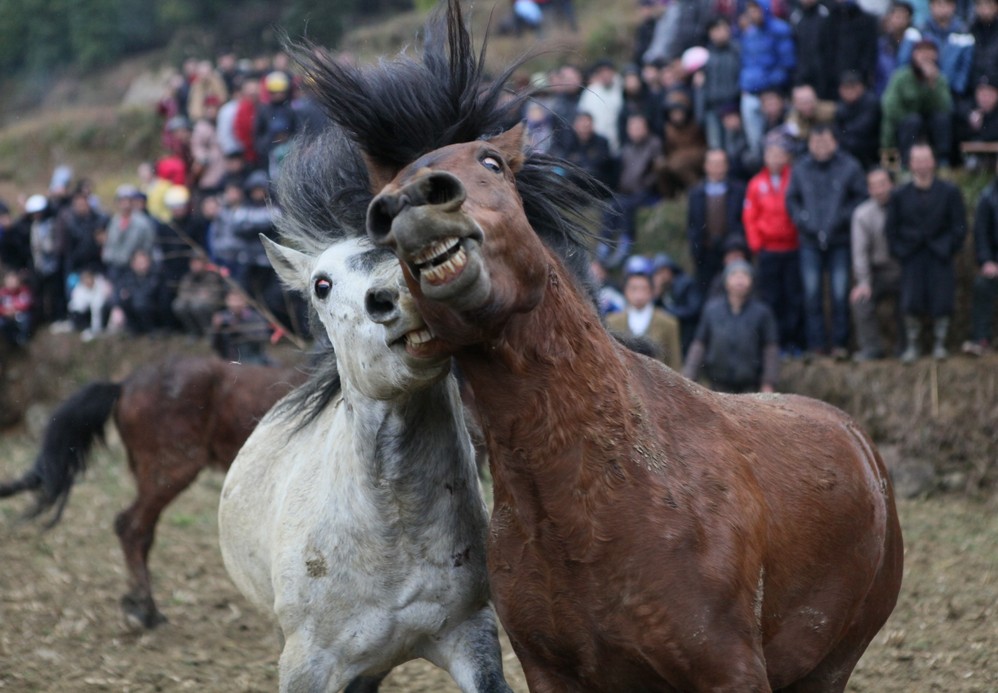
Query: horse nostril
[443, 189]
[381, 304]
[379, 218]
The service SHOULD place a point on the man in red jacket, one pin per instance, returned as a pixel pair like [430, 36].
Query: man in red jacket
[772, 237]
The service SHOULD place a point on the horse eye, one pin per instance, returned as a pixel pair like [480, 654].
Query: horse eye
[322, 287]
[492, 164]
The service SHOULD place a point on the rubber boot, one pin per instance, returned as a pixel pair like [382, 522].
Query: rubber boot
[912, 329]
[940, 328]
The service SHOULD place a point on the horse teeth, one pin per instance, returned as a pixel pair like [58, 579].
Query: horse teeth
[417, 337]
[435, 250]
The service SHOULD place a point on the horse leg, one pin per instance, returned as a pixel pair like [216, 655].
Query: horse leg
[471, 653]
[365, 684]
[136, 529]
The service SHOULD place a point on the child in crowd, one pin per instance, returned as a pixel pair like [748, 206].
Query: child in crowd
[239, 332]
[15, 309]
[90, 303]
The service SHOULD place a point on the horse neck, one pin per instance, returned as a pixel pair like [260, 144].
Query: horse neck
[553, 380]
[412, 445]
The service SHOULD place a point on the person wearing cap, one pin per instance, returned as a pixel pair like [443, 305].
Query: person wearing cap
[917, 103]
[276, 121]
[641, 318]
[772, 237]
[825, 187]
[129, 230]
[47, 248]
[736, 342]
[857, 120]
[926, 225]
[677, 294]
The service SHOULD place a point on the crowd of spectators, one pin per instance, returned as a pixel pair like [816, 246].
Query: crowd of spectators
[179, 248]
[783, 124]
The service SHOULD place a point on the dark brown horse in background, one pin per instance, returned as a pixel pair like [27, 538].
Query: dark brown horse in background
[175, 418]
[647, 534]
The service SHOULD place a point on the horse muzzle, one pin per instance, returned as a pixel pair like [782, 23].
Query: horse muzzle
[425, 224]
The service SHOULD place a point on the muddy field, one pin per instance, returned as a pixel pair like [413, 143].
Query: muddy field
[61, 628]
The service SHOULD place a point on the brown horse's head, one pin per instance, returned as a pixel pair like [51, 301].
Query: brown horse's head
[455, 219]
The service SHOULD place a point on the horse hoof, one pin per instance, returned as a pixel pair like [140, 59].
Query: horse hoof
[141, 616]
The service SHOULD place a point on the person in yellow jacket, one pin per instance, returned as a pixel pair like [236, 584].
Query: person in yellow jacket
[642, 319]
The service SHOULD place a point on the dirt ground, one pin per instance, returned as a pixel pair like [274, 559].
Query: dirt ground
[61, 627]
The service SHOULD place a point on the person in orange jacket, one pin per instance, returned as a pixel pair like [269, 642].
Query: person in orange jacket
[773, 240]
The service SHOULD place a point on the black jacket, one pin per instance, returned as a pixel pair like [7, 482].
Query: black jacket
[933, 220]
[706, 256]
[821, 198]
[986, 225]
[857, 128]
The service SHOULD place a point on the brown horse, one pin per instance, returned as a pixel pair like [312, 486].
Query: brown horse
[647, 534]
[175, 418]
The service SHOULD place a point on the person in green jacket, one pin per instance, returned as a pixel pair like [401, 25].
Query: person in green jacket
[917, 105]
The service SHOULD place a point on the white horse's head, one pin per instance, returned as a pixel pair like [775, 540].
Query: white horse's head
[383, 347]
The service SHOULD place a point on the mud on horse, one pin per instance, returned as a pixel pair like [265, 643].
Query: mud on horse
[647, 534]
[175, 418]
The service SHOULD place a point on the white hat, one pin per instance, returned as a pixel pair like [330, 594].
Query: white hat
[36, 203]
[176, 196]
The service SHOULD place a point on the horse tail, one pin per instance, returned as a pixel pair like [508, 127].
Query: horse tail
[66, 443]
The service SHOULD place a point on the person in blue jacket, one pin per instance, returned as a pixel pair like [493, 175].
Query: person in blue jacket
[768, 62]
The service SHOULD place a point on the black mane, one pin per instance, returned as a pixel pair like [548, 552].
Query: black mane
[400, 109]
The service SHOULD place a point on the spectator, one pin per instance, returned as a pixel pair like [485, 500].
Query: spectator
[251, 218]
[565, 88]
[610, 300]
[825, 187]
[984, 29]
[239, 332]
[540, 132]
[926, 225]
[986, 280]
[717, 84]
[682, 25]
[636, 188]
[588, 150]
[129, 230]
[276, 123]
[138, 294]
[848, 42]
[83, 231]
[807, 22]
[15, 241]
[768, 62]
[895, 28]
[683, 147]
[806, 111]
[772, 238]
[243, 125]
[955, 45]
[743, 161]
[773, 109]
[206, 85]
[917, 103]
[677, 294]
[642, 319]
[736, 341]
[208, 162]
[978, 121]
[602, 99]
[857, 120]
[876, 275]
[90, 304]
[201, 294]
[648, 13]
[637, 99]
[178, 133]
[47, 249]
[16, 305]
[714, 214]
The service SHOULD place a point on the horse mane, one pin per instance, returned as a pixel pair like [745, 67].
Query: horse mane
[400, 109]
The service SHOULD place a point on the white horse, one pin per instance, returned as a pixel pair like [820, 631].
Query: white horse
[355, 515]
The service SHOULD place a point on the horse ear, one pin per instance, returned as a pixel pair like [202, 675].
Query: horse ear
[292, 266]
[512, 145]
[379, 175]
